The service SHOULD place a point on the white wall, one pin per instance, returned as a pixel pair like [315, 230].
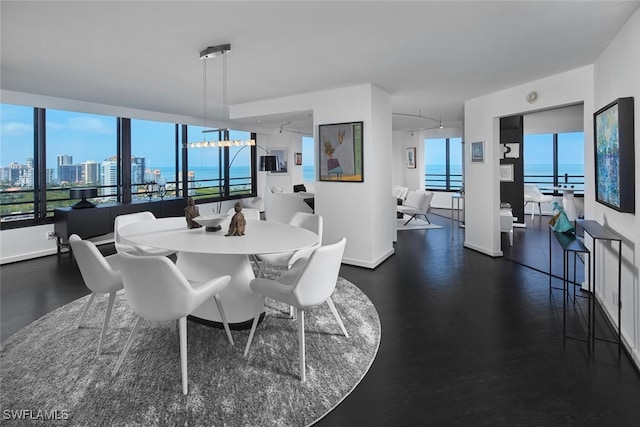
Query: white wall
[482, 117]
[617, 75]
[25, 243]
[361, 212]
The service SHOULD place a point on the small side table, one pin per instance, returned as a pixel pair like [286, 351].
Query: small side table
[599, 232]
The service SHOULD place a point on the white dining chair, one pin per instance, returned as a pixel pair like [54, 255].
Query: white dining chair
[157, 290]
[533, 195]
[122, 246]
[311, 222]
[309, 282]
[100, 275]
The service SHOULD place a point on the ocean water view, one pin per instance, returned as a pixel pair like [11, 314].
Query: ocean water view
[206, 173]
[541, 174]
[535, 173]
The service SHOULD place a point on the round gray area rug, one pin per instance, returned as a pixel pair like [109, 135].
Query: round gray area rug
[50, 368]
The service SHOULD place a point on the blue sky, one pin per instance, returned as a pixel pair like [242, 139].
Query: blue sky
[538, 149]
[92, 137]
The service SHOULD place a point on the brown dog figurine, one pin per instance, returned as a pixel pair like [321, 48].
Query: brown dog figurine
[238, 223]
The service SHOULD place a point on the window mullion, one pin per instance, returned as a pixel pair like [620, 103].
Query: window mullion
[40, 165]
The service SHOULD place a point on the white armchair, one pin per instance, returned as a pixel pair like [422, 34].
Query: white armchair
[416, 204]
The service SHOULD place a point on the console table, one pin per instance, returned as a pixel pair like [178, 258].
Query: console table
[570, 244]
[98, 221]
[599, 232]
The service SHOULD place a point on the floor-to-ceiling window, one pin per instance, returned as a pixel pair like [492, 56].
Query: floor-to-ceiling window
[81, 152]
[45, 153]
[204, 175]
[17, 171]
[443, 164]
[154, 159]
[308, 159]
[240, 170]
[554, 159]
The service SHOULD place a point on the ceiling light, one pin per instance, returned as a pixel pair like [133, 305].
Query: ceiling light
[209, 53]
[215, 51]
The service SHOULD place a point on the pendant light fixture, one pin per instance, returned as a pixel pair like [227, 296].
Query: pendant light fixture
[210, 53]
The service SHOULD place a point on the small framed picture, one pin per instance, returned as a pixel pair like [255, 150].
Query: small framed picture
[411, 158]
[282, 161]
[298, 158]
[506, 172]
[477, 152]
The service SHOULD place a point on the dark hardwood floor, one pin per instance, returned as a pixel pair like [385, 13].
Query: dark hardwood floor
[467, 340]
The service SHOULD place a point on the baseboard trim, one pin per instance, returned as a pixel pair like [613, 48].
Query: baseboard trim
[371, 265]
[31, 255]
[483, 250]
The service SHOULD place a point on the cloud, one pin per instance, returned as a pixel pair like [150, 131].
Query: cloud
[89, 124]
[16, 129]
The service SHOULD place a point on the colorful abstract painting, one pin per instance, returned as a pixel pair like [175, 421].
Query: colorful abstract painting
[608, 157]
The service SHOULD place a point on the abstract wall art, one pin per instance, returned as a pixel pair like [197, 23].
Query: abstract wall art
[614, 155]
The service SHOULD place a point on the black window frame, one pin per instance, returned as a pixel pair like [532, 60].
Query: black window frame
[123, 153]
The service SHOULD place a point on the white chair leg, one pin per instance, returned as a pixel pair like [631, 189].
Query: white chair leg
[86, 308]
[337, 316]
[105, 325]
[125, 350]
[224, 319]
[540, 209]
[300, 314]
[183, 354]
[533, 207]
[511, 237]
[261, 269]
[253, 327]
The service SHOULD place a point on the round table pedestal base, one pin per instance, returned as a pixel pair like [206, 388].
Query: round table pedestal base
[239, 302]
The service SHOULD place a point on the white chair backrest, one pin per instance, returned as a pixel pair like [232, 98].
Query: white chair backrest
[532, 191]
[427, 200]
[317, 280]
[155, 288]
[96, 272]
[311, 222]
[126, 219]
[415, 199]
[249, 213]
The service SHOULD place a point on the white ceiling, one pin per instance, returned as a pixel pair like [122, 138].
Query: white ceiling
[429, 56]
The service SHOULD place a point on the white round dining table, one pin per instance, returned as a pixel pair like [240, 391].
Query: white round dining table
[203, 255]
